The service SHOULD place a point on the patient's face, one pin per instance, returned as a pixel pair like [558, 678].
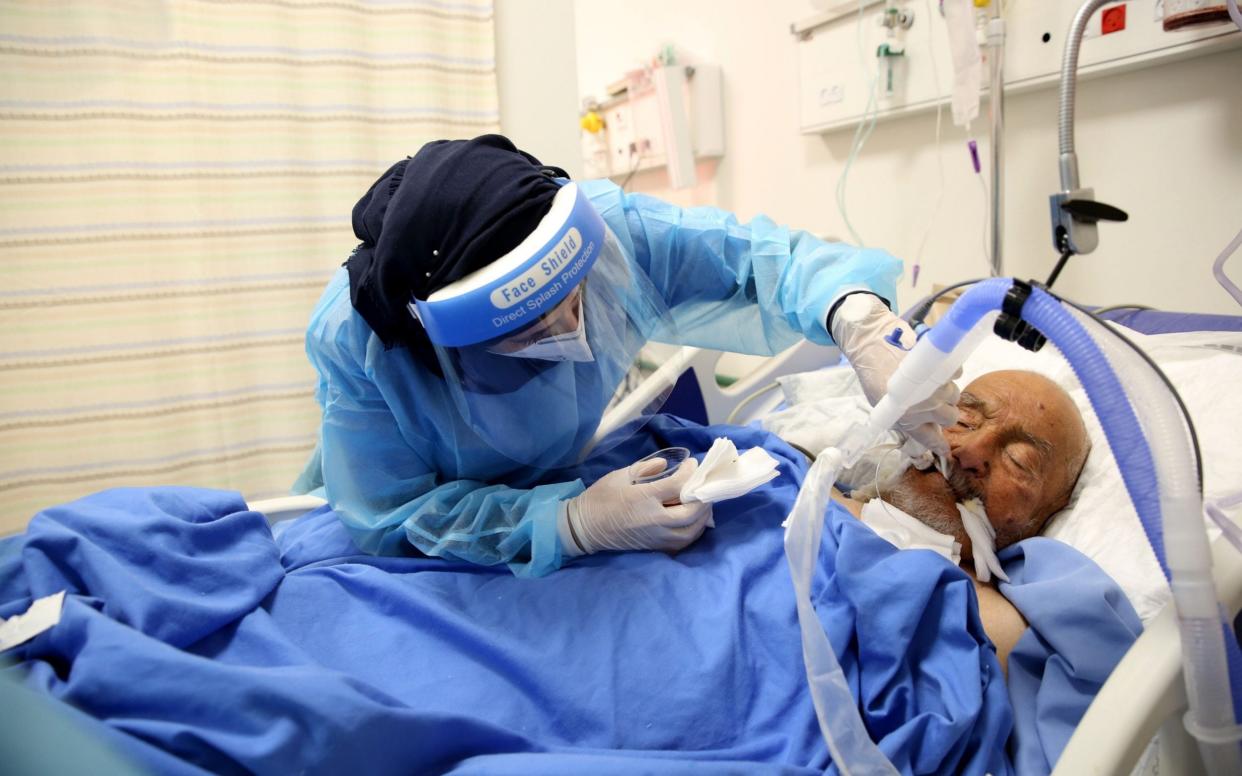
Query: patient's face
[1019, 445]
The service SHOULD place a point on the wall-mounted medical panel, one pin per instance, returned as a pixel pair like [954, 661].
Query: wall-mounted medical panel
[669, 119]
[839, 60]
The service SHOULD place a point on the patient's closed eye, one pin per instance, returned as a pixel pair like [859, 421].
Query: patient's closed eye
[967, 419]
[1020, 457]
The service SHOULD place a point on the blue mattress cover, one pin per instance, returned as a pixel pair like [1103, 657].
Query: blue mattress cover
[193, 642]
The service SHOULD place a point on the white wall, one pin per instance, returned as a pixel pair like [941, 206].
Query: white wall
[537, 77]
[1163, 143]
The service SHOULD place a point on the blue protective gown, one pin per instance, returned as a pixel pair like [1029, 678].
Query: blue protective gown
[401, 467]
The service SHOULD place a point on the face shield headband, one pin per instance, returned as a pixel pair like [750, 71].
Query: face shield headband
[515, 290]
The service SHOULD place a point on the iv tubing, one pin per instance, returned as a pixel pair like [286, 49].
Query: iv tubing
[996, 113]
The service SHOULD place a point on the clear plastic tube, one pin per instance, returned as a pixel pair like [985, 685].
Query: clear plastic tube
[849, 743]
[1187, 556]
[1216, 512]
[920, 373]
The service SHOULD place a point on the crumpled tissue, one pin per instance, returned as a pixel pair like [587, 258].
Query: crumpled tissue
[726, 474]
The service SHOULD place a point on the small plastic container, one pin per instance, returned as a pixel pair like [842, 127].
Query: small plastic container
[673, 459]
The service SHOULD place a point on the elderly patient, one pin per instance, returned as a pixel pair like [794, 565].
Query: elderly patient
[1018, 446]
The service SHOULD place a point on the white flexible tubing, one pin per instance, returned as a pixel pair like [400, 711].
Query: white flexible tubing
[849, 743]
[1187, 551]
[923, 371]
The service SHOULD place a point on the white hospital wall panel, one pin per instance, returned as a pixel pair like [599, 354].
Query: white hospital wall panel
[1161, 142]
[833, 78]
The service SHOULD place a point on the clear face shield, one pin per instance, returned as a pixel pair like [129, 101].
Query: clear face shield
[534, 345]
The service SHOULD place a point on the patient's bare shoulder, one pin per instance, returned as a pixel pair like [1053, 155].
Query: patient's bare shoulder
[1003, 623]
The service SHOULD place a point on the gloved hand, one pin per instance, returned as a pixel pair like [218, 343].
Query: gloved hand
[616, 514]
[982, 540]
[860, 326]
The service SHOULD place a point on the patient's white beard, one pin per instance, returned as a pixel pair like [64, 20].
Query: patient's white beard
[926, 509]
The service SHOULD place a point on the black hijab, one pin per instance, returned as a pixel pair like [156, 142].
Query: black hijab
[451, 209]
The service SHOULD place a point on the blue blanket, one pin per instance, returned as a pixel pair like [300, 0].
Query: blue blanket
[194, 642]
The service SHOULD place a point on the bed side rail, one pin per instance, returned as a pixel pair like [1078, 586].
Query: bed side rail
[719, 401]
[285, 507]
[1146, 694]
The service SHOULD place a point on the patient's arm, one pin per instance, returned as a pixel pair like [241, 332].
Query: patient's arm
[1001, 621]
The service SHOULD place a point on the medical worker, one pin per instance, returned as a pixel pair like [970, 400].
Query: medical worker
[471, 343]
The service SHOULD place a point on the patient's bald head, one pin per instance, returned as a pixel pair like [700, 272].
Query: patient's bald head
[1019, 445]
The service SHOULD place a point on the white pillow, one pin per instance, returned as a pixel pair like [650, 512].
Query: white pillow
[1100, 521]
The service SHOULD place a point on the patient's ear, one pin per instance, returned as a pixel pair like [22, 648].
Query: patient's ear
[1075, 465]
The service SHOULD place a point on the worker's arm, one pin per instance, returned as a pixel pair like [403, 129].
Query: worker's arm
[744, 287]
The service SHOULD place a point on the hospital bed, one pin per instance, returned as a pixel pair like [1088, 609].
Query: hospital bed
[1144, 694]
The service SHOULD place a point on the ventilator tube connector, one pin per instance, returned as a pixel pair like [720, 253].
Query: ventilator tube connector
[931, 363]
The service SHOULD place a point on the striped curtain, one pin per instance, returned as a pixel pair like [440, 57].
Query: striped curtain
[176, 180]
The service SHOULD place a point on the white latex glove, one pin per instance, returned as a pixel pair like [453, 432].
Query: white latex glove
[982, 540]
[860, 327]
[615, 514]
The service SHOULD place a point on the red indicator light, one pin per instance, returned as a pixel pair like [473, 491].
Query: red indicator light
[1114, 19]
